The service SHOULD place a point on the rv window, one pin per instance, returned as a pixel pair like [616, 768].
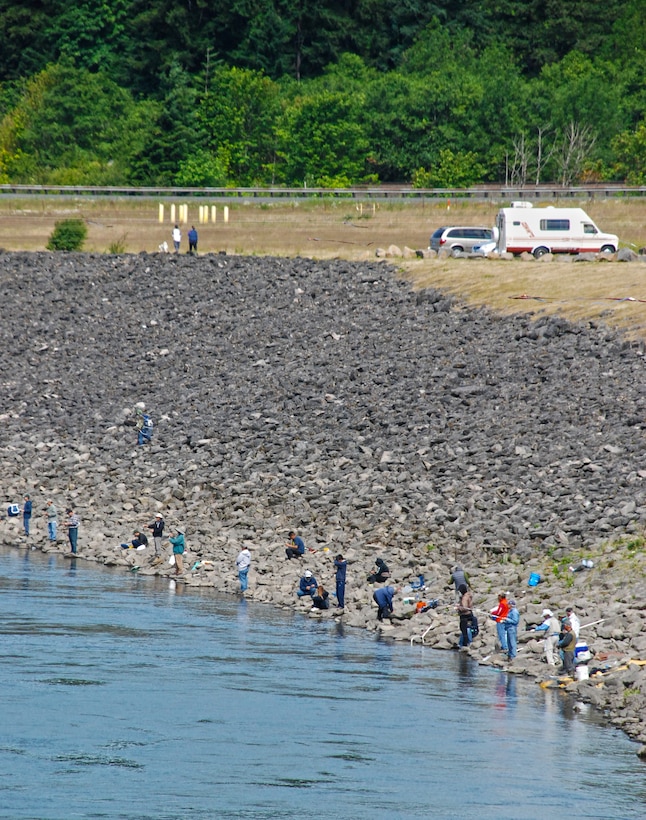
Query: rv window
[555, 224]
[589, 228]
[516, 223]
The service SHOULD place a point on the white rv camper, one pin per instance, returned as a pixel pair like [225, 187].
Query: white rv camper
[550, 230]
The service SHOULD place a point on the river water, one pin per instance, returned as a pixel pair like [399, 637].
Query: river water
[132, 697]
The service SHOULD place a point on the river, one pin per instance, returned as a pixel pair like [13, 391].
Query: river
[134, 697]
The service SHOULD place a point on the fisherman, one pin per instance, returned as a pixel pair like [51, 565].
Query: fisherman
[511, 627]
[320, 600]
[52, 520]
[307, 585]
[179, 545]
[458, 577]
[498, 614]
[465, 610]
[157, 526]
[340, 565]
[295, 546]
[381, 573]
[243, 562]
[567, 645]
[26, 514]
[383, 597]
[550, 627]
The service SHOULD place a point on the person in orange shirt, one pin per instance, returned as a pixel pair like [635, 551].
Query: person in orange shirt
[498, 614]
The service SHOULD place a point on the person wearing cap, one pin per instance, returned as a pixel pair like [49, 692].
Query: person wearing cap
[295, 546]
[243, 562]
[179, 544]
[307, 585]
[575, 623]
[511, 628]
[72, 525]
[567, 645]
[498, 614]
[157, 527]
[550, 627]
[383, 597]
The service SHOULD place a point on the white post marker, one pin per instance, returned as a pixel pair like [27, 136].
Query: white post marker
[226, 214]
[161, 212]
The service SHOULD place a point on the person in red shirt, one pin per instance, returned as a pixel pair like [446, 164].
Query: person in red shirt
[498, 614]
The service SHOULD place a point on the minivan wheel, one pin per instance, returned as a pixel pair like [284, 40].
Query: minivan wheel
[538, 252]
[456, 249]
[607, 249]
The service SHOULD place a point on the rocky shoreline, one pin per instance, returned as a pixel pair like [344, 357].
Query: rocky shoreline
[330, 398]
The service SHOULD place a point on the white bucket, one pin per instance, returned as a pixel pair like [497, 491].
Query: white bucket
[582, 672]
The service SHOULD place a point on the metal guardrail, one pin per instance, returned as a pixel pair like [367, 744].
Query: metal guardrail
[393, 192]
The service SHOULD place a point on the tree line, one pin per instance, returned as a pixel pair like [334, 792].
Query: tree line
[324, 94]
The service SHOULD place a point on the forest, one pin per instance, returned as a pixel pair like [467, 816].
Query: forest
[330, 93]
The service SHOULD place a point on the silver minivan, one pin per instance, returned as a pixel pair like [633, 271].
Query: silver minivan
[458, 239]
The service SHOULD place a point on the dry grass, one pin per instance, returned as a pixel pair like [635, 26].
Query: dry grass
[353, 230]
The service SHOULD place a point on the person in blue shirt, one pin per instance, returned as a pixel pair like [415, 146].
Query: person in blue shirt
[307, 586]
[511, 627]
[340, 565]
[383, 597]
[192, 241]
[26, 514]
[296, 548]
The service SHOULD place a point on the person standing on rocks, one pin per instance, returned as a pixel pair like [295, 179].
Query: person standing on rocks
[511, 627]
[295, 546]
[383, 597]
[567, 645]
[144, 424]
[243, 562]
[340, 565]
[550, 627]
[52, 520]
[192, 241]
[575, 623]
[72, 525]
[177, 238]
[381, 573]
[498, 614]
[465, 611]
[157, 526]
[459, 577]
[307, 585]
[26, 514]
[179, 545]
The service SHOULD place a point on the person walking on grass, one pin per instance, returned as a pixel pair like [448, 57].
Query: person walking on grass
[192, 241]
[177, 238]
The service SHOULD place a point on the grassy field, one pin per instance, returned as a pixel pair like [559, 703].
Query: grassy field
[353, 230]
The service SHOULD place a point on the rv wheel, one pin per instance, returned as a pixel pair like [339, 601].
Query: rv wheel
[538, 252]
[607, 249]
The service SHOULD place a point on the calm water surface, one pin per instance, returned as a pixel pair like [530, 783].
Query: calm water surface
[128, 697]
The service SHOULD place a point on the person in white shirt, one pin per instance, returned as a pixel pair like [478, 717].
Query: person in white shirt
[551, 628]
[177, 238]
[243, 562]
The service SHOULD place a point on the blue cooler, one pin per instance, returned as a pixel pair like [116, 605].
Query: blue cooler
[582, 652]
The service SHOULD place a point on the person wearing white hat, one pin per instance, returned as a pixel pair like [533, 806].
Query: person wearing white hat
[157, 526]
[307, 585]
[551, 628]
